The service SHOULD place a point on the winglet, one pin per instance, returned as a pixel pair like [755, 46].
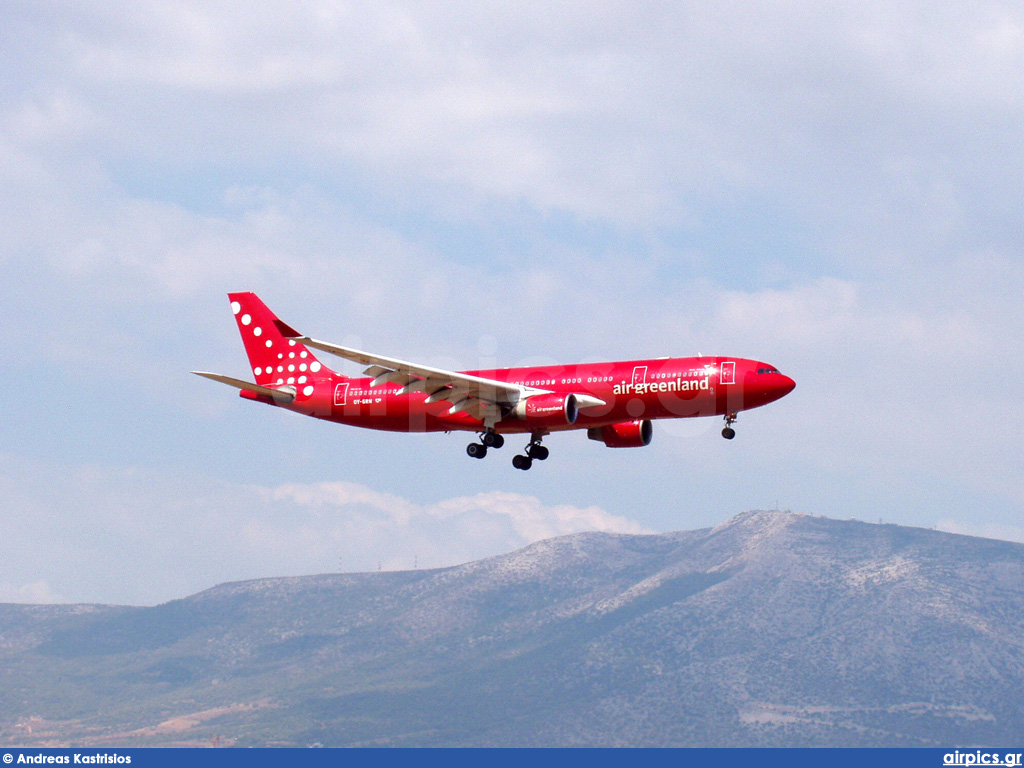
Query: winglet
[286, 330]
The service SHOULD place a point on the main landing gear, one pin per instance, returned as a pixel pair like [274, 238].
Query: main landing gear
[491, 439]
[729, 433]
[488, 439]
[534, 450]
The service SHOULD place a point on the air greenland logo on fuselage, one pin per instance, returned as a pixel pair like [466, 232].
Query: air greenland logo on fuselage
[545, 409]
[674, 385]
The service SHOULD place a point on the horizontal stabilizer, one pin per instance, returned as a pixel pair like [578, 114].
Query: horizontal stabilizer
[282, 395]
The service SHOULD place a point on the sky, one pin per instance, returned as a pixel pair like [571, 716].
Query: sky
[833, 188]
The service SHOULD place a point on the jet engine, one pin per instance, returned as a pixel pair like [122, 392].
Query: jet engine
[625, 434]
[551, 410]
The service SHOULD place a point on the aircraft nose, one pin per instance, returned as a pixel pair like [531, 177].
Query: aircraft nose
[786, 386]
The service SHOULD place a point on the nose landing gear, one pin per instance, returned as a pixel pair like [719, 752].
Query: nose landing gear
[728, 432]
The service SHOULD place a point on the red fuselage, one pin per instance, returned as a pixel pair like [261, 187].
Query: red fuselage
[614, 402]
[664, 388]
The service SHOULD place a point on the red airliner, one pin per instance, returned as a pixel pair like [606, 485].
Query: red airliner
[615, 402]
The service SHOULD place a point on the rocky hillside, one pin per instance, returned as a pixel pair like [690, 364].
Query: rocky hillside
[771, 629]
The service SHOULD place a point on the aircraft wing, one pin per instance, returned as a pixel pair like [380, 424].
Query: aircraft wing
[481, 398]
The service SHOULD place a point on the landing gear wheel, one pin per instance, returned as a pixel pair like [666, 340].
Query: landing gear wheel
[492, 440]
[522, 462]
[729, 433]
[534, 450]
[476, 450]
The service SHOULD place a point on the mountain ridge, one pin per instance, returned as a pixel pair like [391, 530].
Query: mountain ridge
[772, 629]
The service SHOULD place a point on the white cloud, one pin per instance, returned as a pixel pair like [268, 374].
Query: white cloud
[175, 534]
[532, 520]
[350, 521]
[617, 114]
[36, 592]
[831, 190]
[805, 315]
[868, 323]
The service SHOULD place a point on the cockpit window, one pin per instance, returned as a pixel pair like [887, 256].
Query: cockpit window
[767, 370]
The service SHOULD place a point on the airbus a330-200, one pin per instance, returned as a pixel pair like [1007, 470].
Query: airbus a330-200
[615, 402]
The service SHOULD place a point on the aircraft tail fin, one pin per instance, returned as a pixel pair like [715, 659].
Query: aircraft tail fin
[275, 360]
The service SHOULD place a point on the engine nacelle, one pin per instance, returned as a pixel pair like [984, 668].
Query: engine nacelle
[552, 410]
[625, 434]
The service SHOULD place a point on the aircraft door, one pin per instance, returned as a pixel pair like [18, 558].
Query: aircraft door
[727, 372]
[639, 375]
[341, 394]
